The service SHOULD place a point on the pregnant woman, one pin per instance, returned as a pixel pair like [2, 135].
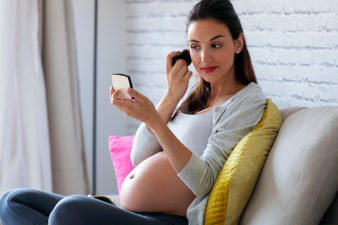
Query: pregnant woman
[182, 144]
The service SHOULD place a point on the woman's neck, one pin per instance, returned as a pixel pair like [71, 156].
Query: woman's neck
[221, 93]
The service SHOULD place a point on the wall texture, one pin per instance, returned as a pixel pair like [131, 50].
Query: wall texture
[293, 46]
[110, 58]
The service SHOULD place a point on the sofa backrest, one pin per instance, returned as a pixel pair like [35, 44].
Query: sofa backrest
[299, 180]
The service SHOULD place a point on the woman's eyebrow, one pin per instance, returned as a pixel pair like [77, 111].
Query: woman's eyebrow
[218, 36]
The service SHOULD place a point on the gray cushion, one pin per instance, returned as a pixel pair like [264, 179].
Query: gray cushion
[299, 180]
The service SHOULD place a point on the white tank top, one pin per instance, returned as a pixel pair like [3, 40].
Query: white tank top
[193, 130]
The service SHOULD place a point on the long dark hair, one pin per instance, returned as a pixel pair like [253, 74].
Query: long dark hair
[224, 12]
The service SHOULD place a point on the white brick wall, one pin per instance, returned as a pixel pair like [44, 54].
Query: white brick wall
[293, 45]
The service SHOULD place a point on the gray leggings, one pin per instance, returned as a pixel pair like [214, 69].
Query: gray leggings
[34, 207]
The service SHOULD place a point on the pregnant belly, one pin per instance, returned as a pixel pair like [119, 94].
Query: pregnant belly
[154, 186]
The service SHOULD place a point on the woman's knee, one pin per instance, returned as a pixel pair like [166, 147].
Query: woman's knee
[9, 205]
[4, 201]
[67, 210]
[9, 197]
[29, 197]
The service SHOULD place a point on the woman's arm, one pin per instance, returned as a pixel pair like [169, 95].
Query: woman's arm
[178, 80]
[143, 109]
[177, 153]
[145, 144]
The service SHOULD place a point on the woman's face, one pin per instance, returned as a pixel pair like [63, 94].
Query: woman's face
[212, 50]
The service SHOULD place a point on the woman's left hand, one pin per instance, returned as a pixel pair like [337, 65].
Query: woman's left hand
[140, 108]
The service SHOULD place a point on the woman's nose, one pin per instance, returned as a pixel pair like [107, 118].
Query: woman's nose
[205, 56]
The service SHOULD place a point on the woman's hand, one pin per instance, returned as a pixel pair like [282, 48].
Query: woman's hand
[143, 109]
[140, 108]
[177, 76]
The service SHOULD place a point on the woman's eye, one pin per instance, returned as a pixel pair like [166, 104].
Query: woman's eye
[194, 47]
[216, 45]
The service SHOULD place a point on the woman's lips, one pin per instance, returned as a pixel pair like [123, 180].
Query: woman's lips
[209, 69]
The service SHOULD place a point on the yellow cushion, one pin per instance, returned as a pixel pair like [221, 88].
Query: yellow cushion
[240, 172]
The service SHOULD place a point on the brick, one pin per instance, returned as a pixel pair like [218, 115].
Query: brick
[328, 40]
[250, 22]
[147, 65]
[251, 7]
[334, 6]
[150, 38]
[282, 23]
[277, 7]
[331, 21]
[255, 39]
[163, 24]
[319, 7]
[159, 9]
[160, 52]
[273, 73]
[322, 75]
[270, 87]
[301, 7]
[329, 93]
[322, 57]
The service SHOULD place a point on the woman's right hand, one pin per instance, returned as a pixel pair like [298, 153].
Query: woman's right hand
[177, 76]
[178, 80]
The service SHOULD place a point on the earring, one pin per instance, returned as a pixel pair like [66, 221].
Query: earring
[237, 52]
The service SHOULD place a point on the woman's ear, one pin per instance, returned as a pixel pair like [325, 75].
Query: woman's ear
[239, 43]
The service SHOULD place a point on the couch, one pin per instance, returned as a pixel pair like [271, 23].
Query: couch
[299, 181]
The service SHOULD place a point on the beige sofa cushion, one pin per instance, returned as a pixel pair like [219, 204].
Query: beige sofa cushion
[299, 180]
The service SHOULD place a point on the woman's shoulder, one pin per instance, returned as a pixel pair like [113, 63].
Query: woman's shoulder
[250, 94]
[248, 102]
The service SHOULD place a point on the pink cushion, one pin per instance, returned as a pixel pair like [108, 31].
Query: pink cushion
[120, 148]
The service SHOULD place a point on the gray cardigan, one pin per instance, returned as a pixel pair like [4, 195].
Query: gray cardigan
[231, 122]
